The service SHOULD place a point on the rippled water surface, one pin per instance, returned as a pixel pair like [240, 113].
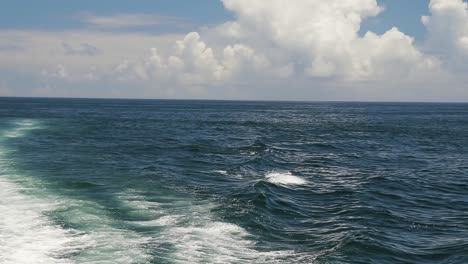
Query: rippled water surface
[142, 181]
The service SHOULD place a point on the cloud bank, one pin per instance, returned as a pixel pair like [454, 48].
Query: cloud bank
[302, 50]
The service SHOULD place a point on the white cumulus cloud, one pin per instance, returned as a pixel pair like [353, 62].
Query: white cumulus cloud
[325, 35]
[280, 39]
[194, 62]
[275, 49]
[448, 32]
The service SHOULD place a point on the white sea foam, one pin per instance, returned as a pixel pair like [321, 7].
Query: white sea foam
[223, 172]
[28, 235]
[106, 242]
[189, 233]
[185, 230]
[167, 220]
[218, 242]
[229, 174]
[284, 179]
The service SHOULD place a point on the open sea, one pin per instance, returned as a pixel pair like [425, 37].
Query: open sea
[169, 181]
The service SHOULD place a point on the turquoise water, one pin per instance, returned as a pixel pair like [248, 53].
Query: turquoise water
[148, 181]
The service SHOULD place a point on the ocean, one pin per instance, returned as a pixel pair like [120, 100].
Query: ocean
[178, 181]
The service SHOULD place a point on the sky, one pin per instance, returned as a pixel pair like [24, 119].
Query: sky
[338, 50]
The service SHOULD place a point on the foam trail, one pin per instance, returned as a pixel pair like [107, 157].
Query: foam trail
[284, 179]
[217, 242]
[178, 229]
[191, 234]
[105, 241]
[27, 235]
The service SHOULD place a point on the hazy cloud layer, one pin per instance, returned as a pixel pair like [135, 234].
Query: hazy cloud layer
[303, 50]
[119, 21]
[83, 49]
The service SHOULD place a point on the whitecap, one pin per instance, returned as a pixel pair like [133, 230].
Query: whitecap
[284, 178]
[223, 172]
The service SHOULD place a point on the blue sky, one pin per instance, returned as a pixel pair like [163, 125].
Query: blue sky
[59, 14]
[236, 49]
[405, 14]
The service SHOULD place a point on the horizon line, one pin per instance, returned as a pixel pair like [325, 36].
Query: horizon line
[232, 100]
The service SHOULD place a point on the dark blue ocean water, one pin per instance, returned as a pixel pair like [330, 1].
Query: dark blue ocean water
[148, 181]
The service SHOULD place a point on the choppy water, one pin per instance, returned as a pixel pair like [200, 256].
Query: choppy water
[139, 181]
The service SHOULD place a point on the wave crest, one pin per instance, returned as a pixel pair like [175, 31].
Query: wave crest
[284, 179]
